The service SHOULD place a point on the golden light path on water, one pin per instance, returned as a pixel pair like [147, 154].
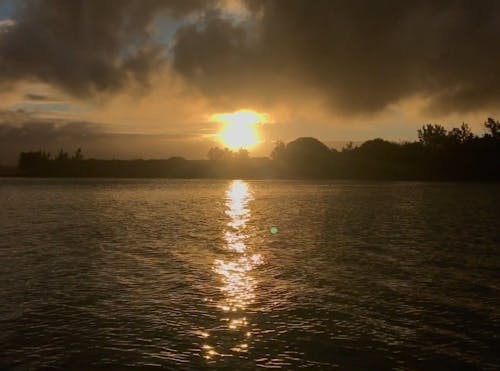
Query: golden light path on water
[237, 284]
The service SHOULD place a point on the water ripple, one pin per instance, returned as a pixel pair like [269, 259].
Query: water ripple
[156, 274]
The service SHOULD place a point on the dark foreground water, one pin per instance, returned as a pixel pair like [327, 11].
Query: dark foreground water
[162, 274]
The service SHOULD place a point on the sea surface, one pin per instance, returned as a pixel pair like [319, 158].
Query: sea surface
[107, 274]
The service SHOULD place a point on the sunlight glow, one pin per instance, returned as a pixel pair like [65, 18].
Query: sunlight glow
[240, 128]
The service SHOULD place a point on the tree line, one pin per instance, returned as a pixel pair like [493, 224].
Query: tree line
[438, 154]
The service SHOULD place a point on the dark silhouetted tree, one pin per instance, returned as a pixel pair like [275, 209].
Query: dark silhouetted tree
[349, 146]
[434, 136]
[243, 154]
[62, 156]
[278, 153]
[78, 156]
[217, 154]
[32, 160]
[461, 135]
[493, 128]
[308, 157]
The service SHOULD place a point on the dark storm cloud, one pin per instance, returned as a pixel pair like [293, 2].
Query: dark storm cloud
[24, 131]
[26, 128]
[358, 55]
[86, 46]
[37, 97]
[21, 131]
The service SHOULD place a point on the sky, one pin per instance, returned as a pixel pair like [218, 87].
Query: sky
[144, 79]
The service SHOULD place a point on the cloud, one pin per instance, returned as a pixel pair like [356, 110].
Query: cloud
[356, 56]
[87, 47]
[312, 65]
[25, 131]
[38, 97]
[21, 124]
[5, 24]
[21, 131]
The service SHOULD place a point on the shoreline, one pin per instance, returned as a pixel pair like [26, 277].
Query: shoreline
[288, 179]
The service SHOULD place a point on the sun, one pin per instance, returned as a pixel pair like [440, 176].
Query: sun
[239, 128]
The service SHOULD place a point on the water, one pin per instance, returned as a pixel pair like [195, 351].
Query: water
[171, 274]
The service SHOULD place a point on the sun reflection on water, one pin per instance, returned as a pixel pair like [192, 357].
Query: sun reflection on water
[237, 284]
[237, 198]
